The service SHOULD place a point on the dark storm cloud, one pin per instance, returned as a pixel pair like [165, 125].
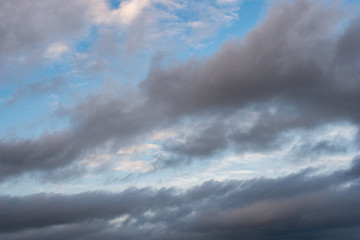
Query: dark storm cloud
[296, 61]
[303, 205]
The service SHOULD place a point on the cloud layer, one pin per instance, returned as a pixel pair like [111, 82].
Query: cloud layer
[295, 70]
[297, 206]
[291, 85]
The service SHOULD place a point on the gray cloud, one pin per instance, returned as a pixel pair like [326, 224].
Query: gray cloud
[317, 148]
[291, 60]
[206, 142]
[296, 61]
[298, 206]
[272, 62]
[45, 153]
[295, 71]
[29, 26]
[346, 49]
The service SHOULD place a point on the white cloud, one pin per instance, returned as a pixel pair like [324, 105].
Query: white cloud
[161, 25]
[129, 10]
[124, 15]
[56, 50]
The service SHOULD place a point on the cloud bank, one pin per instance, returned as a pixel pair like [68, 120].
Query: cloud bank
[297, 206]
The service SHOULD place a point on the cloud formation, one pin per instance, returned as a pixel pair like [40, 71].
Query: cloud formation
[301, 205]
[276, 104]
[295, 70]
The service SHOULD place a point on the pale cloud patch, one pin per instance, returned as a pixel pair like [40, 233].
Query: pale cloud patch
[163, 134]
[196, 24]
[96, 160]
[99, 12]
[129, 10]
[123, 16]
[134, 166]
[119, 221]
[134, 158]
[226, 1]
[151, 24]
[171, 4]
[136, 149]
[56, 50]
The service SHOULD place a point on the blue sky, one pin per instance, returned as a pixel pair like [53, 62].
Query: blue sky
[218, 110]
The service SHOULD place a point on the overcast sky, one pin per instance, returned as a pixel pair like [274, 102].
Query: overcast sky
[179, 119]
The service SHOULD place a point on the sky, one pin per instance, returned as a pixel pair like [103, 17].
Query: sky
[179, 119]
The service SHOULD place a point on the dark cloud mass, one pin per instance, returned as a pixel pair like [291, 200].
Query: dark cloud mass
[304, 205]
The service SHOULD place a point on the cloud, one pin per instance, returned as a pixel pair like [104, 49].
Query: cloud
[35, 89]
[291, 81]
[48, 152]
[286, 68]
[56, 50]
[206, 143]
[131, 9]
[291, 69]
[22, 32]
[297, 206]
[29, 42]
